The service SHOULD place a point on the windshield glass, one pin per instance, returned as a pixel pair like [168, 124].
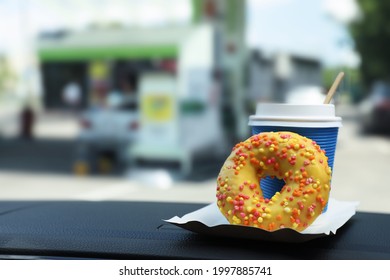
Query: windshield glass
[184, 78]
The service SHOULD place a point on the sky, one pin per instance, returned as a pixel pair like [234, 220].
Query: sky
[310, 27]
[306, 27]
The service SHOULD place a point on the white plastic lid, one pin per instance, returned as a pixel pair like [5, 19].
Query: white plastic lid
[318, 115]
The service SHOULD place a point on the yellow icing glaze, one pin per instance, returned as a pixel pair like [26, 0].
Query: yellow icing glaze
[297, 160]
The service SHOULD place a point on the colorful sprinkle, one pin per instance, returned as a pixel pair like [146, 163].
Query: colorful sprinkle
[286, 155]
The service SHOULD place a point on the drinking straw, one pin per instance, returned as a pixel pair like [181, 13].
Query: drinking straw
[333, 88]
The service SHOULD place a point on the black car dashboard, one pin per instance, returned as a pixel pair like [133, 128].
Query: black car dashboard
[136, 230]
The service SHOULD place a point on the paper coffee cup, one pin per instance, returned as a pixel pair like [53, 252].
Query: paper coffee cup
[317, 122]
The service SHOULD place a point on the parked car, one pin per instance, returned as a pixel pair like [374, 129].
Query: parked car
[105, 137]
[374, 111]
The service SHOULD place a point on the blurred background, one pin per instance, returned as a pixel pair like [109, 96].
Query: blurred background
[143, 100]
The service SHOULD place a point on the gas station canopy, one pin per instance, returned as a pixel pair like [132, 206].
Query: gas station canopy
[112, 44]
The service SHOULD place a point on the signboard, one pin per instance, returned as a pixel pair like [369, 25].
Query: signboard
[157, 107]
[158, 104]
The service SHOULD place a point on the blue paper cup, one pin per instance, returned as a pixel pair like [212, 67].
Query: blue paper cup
[317, 122]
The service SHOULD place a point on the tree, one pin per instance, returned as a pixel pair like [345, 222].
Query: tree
[372, 38]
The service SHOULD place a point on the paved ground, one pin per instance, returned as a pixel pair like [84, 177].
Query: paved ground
[43, 170]
[362, 168]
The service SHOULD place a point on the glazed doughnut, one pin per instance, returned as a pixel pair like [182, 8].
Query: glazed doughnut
[297, 160]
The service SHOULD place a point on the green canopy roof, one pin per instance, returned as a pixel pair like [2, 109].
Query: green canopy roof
[119, 52]
[112, 44]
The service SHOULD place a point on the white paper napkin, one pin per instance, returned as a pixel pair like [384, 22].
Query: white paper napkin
[209, 220]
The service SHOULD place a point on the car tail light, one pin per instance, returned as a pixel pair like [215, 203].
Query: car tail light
[133, 125]
[86, 124]
[385, 104]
